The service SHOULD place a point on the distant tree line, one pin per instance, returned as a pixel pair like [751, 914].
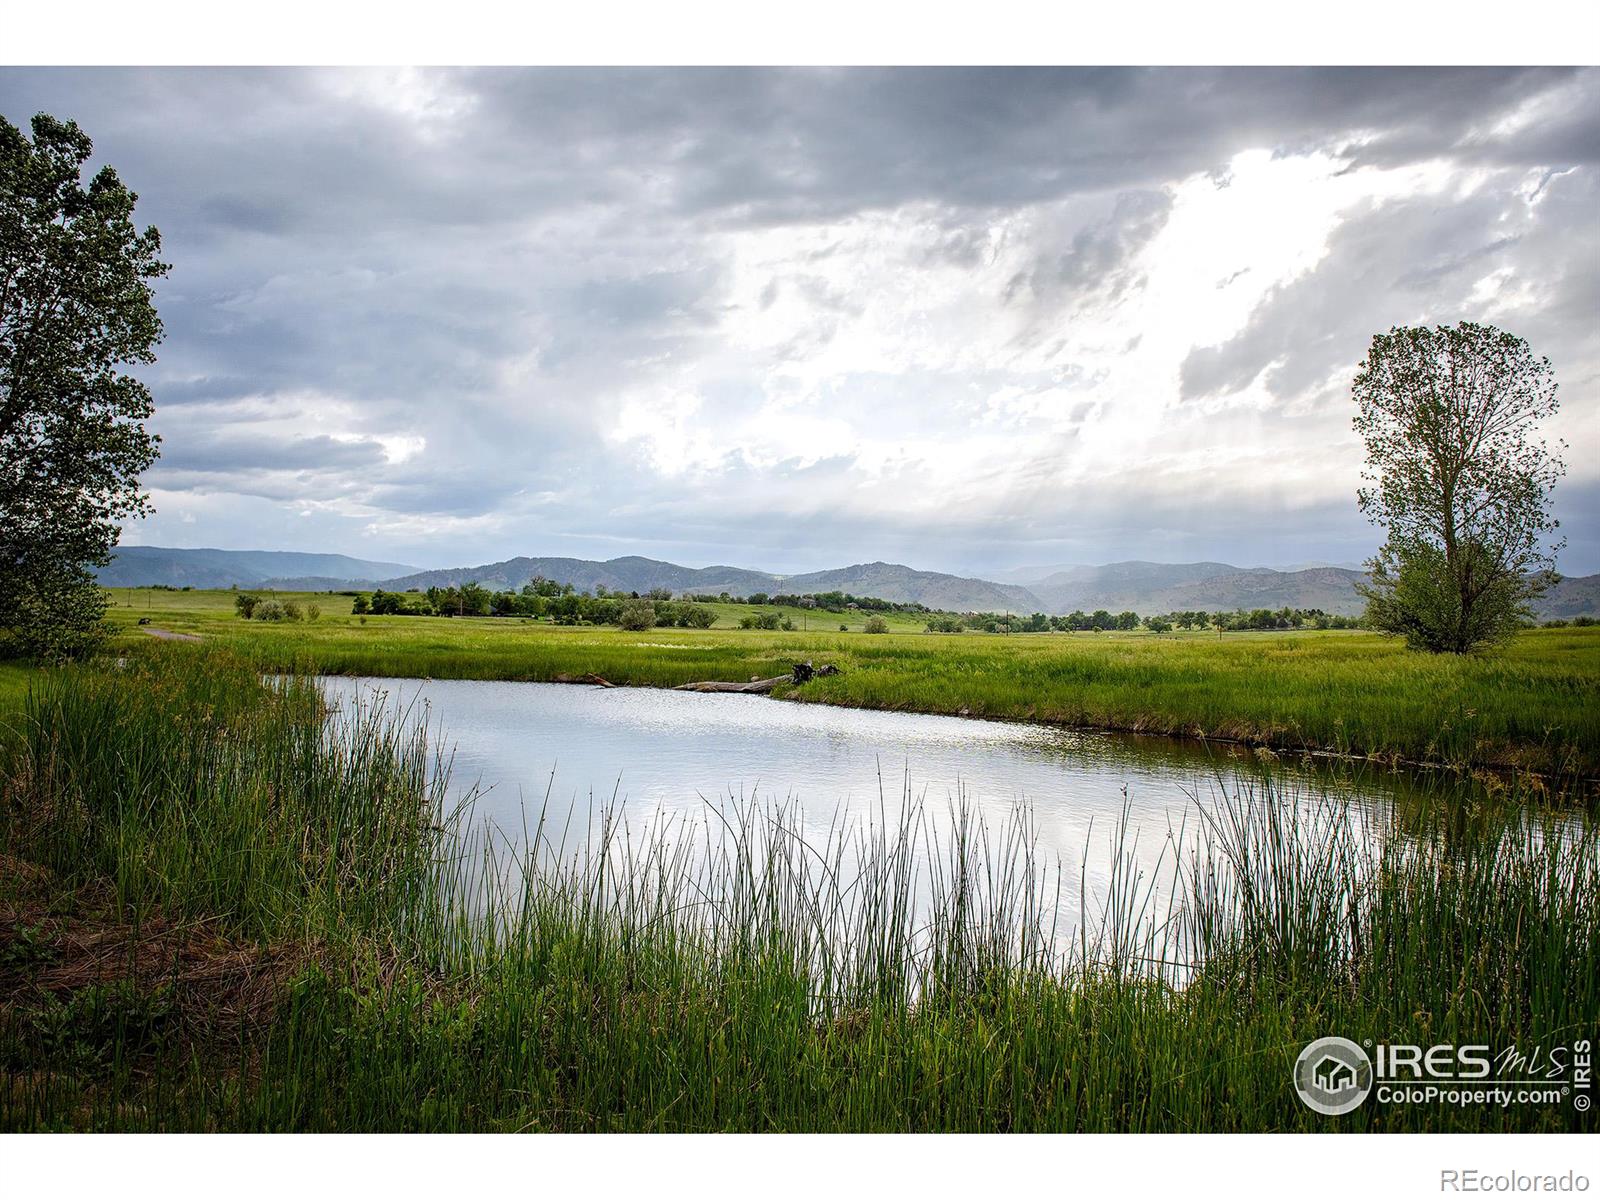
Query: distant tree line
[1102, 620]
[559, 603]
[562, 604]
[834, 602]
[1261, 618]
[253, 608]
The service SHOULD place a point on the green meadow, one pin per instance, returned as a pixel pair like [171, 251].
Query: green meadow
[1533, 704]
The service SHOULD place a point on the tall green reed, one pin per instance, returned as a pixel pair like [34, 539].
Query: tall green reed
[195, 786]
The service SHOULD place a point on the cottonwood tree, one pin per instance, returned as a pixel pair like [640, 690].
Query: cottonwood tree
[76, 308]
[1457, 477]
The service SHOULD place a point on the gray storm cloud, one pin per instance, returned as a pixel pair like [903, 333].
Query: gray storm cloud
[787, 318]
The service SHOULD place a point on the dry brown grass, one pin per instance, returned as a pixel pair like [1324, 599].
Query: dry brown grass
[56, 942]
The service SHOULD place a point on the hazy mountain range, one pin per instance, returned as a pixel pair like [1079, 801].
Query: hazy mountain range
[1147, 587]
[1143, 587]
[152, 566]
[884, 580]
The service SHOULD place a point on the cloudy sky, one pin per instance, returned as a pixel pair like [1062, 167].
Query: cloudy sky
[972, 320]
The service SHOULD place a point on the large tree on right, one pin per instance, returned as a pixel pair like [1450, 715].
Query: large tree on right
[1458, 478]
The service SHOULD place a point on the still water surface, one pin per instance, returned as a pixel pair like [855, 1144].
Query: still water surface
[568, 751]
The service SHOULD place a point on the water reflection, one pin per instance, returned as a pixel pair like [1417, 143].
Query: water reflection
[1093, 800]
[654, 748]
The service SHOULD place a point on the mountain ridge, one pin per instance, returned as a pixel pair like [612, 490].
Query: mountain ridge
[206, 567]
[1144, 587]
[1147, 587]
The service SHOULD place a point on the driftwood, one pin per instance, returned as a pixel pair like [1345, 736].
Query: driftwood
[758, 686]
[802, 673]
[590, 677]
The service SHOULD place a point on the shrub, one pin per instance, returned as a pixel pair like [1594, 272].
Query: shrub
[877, 625]
[313, 612]
[637, 615]
[291, 610]
[244, 604]
[695, 616]
[270, 610]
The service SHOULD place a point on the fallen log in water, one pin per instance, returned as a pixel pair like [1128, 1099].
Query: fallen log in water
[590, 677]
[759, 686]
[802, 673]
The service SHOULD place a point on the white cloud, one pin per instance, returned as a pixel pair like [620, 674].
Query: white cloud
[848, 340]
[789, 318]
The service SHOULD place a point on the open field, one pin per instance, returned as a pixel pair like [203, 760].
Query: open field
[217, 917]
[1534, 704]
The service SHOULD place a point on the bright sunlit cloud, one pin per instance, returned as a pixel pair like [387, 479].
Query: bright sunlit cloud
[791, 319]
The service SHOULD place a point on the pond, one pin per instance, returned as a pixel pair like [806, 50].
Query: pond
[1092, 800]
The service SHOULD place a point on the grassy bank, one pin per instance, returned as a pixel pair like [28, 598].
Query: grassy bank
[1531, 704]
[15, 679]
[217, 916]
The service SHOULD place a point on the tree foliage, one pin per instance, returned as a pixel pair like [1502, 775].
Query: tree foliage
[1459, 481]
[637, 615]
[76, 308]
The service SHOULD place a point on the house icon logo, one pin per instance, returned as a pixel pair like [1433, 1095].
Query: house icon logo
[1333, 1076]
